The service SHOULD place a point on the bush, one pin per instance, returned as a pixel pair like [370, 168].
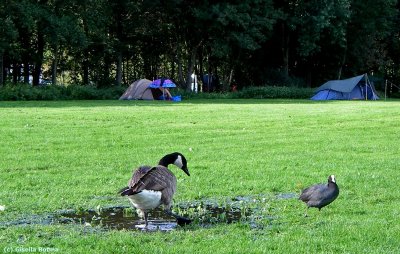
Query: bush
[83, 92]
[19, 92]
[110, 93]
[265, 92]
[190, 95]
[395, 95]
[274, 92]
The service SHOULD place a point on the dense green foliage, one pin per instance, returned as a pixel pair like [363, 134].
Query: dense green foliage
[104, 42]
[24, 92]
[77, 92]
[77, 154]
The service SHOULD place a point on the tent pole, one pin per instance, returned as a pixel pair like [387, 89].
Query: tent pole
[391, 87]
[366, 87]
[385, 88]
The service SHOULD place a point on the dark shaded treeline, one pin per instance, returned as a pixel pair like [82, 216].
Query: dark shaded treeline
[244, 42]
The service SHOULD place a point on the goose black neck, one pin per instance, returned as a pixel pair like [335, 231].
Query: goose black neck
[166, 160]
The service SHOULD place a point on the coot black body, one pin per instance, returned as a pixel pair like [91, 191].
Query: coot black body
[320, 195]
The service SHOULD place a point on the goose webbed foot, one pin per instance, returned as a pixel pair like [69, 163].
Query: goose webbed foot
[182, 221]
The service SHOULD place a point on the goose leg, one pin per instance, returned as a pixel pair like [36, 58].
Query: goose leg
[181, 220]
[145, 219]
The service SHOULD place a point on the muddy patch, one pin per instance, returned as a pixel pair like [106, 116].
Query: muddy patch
[203, 213]
[117, 218]
[286, 195]
[125, 217]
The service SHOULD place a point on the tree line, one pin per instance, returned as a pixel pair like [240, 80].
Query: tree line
[242, 42]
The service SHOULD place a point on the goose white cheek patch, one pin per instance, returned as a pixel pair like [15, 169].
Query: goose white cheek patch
[178, 162]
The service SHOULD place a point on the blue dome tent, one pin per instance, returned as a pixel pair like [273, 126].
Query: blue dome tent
[356, 88]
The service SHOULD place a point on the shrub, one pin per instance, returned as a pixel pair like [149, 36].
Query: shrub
[83, 92]
[79, 92]
[110, 93]
[18, 92]
[274, 92]
[191, 95]
[392, 95]
[265, 92]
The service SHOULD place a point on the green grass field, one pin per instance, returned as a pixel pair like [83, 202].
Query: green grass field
[77, 154]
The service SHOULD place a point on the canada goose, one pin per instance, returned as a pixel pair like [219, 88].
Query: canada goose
[320, 195]
[151, 187]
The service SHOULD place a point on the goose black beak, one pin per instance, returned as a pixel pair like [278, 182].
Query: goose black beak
[186, 170]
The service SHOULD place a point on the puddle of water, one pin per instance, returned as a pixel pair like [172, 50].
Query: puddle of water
[118, 218]
[30, 220]
[203, 213]
[286, 195]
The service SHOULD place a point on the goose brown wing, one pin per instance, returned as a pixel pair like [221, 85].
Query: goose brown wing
[138, 174]
[156, 178]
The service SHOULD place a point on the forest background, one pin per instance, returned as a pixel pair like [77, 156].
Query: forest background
[104, 43]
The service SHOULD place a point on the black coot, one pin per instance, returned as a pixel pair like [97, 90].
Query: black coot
[320, 195]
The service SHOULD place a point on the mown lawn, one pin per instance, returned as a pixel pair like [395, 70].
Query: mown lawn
[76, 155]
